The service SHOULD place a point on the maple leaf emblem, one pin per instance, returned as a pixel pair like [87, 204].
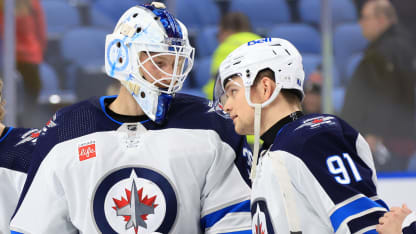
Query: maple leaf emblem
[259, 228]
[135, 209]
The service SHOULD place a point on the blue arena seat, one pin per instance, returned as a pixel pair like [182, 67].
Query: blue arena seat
[201, 72]
[114, 9]
[263, 14]
[304, 37]
[60, 17]
[206, 41]
[342, 11]
[348, 40]
[352, 64]
[310, 63]
[83, 48]
[197, 14]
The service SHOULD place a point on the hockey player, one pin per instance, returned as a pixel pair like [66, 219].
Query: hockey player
[316, 173]
[150, 160]
[16, 145]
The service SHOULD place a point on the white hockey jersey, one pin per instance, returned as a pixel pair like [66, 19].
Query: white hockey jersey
[16, 146]
[109, 177]
[331, 175]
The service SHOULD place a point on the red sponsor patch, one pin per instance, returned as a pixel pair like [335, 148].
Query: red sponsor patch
[86, 151]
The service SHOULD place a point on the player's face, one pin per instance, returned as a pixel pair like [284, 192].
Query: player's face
[160, 69]
[369, 22]
[238, 108]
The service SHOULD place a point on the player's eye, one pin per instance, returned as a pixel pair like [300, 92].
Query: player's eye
[231, 92]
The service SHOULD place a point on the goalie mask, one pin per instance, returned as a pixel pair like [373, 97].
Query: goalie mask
[149, 36]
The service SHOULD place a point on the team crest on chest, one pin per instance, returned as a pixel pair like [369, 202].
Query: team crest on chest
[134, 200]
[261, 222]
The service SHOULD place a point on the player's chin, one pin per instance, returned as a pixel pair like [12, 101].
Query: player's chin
[241, 130]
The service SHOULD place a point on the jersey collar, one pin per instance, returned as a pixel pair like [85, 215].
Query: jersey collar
[269, 136]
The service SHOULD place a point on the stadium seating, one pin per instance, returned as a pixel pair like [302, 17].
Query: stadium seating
[303, 36]
[352, 64]
[114, 9]
[60, 17]
[263, 14]
[197, 14]
[84, 48]
[342, 11]
[201, 72]
[206, 41]
[347, 41]
[50, 81]
[310, 64]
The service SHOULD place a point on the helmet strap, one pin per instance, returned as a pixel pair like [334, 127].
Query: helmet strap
[257, 125]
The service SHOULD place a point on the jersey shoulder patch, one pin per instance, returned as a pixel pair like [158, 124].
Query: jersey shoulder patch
[313, 129]
[16, 148]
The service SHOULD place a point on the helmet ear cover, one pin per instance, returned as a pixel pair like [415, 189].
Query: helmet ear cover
[152, 30]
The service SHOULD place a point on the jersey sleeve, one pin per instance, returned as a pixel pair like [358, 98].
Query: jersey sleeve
[42, 205]
[225, 196]
[346, 181]
[44, 208]
[409, 224]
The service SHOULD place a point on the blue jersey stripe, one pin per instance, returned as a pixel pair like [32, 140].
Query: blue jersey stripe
[210, 219]
[352, 208]
[382, 203]
[7, 133]
[238, 232]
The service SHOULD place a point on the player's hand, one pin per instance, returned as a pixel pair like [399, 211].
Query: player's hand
[391, 222]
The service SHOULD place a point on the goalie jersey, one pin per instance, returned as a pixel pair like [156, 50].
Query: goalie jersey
[94, 174]
[330, 175]
[16, 145]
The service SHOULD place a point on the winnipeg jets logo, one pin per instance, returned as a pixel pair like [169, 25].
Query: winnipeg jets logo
[134, 200]
[134, 209]
[30, 136]
[317, 122]
[259, 225]
[261, 219]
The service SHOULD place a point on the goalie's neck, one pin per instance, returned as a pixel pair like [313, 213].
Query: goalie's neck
[125, 104]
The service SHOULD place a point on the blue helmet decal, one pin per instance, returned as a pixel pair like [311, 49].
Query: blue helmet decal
[168, 21]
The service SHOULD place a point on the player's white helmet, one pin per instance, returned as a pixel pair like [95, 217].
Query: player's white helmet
[248, 60]
[149, 29]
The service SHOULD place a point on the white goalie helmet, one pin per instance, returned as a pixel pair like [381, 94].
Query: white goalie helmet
[152, 30]
[248, 60]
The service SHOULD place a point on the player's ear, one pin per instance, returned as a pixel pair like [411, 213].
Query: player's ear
[267, 87]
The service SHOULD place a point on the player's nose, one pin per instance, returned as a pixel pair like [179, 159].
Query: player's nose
[228, 106]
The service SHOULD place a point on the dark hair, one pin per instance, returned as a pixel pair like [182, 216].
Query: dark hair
[293, 96]
[236, 22]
